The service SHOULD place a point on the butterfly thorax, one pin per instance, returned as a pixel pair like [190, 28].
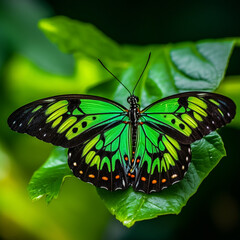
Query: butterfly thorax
[134, 117]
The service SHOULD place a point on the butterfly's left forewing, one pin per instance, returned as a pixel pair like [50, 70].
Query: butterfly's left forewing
[188, 117]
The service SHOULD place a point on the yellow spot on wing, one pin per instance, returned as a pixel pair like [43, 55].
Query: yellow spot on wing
[89, 157]
[56, 114]
[96, 161]
[56, 106]
[197, 109]
[67, 124]
[198, 102]
[189, 120]
[56, 122]
[37, 108]
[197, 116]
[215, 102]
[169, 159]
[174, 142]
[171, 149]
[90, 145]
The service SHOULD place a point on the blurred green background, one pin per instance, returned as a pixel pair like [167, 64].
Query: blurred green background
[31, 67]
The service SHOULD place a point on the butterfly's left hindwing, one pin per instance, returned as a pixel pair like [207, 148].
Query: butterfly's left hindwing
[103, 159]
[66, 120]
[160, 160]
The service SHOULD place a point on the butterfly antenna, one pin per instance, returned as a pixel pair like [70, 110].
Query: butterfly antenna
[114, 76]
[142, 72]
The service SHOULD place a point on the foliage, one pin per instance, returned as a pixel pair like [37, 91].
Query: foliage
[173, 68]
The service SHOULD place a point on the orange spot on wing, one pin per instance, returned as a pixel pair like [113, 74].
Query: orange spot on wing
[154, 181]
[132, 160]
[81, 172]
[138, 160]
[164, 180]
[129, 174]
[126, 158]
[105, 178]
[141, 123]
[133, 152]
[132, 176]
[117, 177]
[143, 179]
[91, 176]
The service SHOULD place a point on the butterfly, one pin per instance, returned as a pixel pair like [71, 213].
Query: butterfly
[114, 147]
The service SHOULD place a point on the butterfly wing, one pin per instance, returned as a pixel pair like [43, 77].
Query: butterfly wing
[66, 120]
[166, 130]
[95, 129]
[160, 160]
[103, 158]
[188, 117]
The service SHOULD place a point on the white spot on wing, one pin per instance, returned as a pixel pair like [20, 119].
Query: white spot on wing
[14, 122]
[20, 124]
[75, 164]
[49, 100]
[39, 129]
[70, 154]
[176, 182]
[174, 176]
[123, 182]
[183, 167]
[44, 134]
[228, 114]
[213, 122]
[153, 190]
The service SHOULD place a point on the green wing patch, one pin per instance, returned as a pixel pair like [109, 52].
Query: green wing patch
[66, 120]
[160, 160]
[103, 159]
[188, 117]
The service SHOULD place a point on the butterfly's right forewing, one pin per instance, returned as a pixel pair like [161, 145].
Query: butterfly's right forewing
[66, 120]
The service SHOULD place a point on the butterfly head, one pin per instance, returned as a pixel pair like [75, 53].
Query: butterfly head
[133, 100]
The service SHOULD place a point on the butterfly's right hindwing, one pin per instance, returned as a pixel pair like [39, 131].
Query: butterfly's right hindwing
[103, 159]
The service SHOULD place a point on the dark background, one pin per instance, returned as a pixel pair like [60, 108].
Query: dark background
[214, 212]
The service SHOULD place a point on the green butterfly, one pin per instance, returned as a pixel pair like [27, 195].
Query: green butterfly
[114, 147]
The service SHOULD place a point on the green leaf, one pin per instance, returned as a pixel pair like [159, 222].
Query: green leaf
[173, 68]
[130, 206]
[73, 37]
[47, 180]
